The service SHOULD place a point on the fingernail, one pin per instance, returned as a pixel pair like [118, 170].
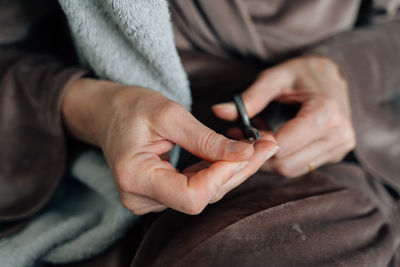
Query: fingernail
[272, 152]
[228, 105]
[241, 166]
[270, 138]
[237, 147]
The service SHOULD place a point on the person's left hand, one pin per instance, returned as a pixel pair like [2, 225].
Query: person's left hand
[322, 130]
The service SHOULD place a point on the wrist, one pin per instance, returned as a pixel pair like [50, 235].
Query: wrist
[86, 108]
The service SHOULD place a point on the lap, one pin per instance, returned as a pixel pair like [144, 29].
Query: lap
[337, 215]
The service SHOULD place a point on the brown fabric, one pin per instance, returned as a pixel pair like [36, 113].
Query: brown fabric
[338, 215]
[32, 138]
[258, 29]
[16, 17]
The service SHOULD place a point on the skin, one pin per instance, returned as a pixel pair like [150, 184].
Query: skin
[135, 127]
[321, 132]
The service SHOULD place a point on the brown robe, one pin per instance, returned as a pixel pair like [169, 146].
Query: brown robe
[342, 214]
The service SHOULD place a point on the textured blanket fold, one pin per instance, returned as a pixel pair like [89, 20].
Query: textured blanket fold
[130, 42]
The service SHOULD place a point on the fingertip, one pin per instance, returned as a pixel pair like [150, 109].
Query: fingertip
[268, 137]
[270, 147]
[272, 152]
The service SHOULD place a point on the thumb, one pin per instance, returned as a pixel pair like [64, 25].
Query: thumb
[268, 86]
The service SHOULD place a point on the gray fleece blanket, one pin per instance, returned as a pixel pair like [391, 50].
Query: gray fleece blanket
[130, 42]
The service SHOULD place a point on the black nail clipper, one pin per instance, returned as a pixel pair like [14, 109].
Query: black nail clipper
[249, 131]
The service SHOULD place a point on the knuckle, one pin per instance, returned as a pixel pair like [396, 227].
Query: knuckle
[135, 205]
[352, 143]
[346, 135]
[333, 114]
[165, 110]
[209, 140]
[128, 204]
[139, 210]
[218, 196]
[193, 205]
[171, 108]
[192, 208]
[335, 120]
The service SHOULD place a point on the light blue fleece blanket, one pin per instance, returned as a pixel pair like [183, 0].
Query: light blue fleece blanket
[126, 41]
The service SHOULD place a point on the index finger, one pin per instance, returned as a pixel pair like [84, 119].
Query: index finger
[306, 127]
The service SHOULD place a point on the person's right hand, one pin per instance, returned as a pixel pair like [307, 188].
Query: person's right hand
[134, 126]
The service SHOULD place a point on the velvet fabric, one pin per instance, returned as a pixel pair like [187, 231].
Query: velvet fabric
[336, 216]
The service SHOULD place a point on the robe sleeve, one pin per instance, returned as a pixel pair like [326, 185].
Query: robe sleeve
[32, 143]
[369, 59]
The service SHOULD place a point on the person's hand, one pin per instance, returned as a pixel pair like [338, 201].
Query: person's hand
[322, 130]
[136, 127]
